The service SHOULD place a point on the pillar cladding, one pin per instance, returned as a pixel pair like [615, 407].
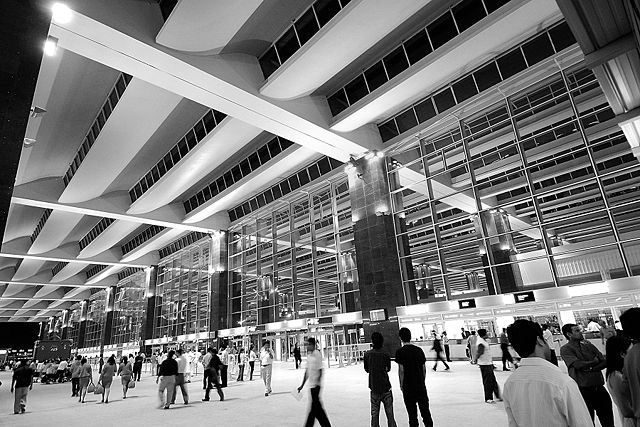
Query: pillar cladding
[218, 273]
[82, 327]
[149, 308]
[65, 324]
[42, 335]
[378, 261]
[108, 322]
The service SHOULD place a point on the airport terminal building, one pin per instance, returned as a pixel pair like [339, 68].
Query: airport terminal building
[325, 168]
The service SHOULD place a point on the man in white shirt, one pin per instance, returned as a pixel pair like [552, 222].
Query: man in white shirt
[593, 326]
[266, 366]
[548, 337]
[538, 393]
[224, 357]
[484, 359]
[62, 369]
[313, 373]
[206, 359]
[180, 381]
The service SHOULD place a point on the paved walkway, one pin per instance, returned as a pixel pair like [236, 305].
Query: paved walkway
[456, 400]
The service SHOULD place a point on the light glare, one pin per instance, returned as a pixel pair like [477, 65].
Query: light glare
[61, 13]
[50, 47]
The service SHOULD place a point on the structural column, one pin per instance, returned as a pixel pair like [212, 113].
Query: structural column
[377, 257]
[82, 327]
[108, 320]
[65, 324]
[218, 281]
[146, 332]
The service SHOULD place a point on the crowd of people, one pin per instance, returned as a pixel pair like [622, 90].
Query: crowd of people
[537, 393]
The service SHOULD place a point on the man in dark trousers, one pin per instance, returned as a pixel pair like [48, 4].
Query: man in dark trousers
[412, 373]
[21, 383]
[137, 366]
[504, 346]
[313, 373]
[437, 347]
[168, 371]
[212, 374]
[377, 364]
[585, 363]
[445, 343]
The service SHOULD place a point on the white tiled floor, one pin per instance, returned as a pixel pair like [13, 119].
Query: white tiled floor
[456, 400]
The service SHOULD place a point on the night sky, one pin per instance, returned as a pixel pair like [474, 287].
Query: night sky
[18, 335]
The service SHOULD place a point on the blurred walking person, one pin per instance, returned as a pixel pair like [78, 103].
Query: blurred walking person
[212, 373]
[485, 361]
[252, 361]
[437, 347]
[445, 343]
[75, 376]
[266, 366]
[180, 378]
[313, 373]
[504, 347]
[125, 370]
[85, 378]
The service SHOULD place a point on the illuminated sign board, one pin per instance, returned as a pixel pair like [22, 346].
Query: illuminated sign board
[524, 297]
[467, 303]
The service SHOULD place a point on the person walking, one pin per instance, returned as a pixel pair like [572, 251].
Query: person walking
[252, 361]
[617, 348]
[212, 373]
[437, 347]
[224, 367]
[485, 361]
[585, 363]
[412, 372]
[377, 364]
[125, 370]
[154, 364]
[62, 369]
[630, 321]
[445, 343]
[137, 367]
[504, 347]
[168, 371]
[538, 393]
[85, 378]
[297, 356]
[75, 376]
[21, 383]
[106, 378]
[313, 374]
[206, 359]
[242, 361]
[548, 337]
[266, 366]
[180, 378]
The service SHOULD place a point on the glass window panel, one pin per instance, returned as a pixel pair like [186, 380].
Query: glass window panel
[388, 130]
[465, 88]
[511, 63]
[287, 45]
[417, 47]
[269, 62]
[338, 102]
[442, 30]
[375, 76]
[396, 62]
[356, 89]
[425, 110]
[325, 10]
[538, 49]
[562, 36]
[406, 120]
[591, 265]
[219, 116]
[493, 5]
[444, 100]
[209, 121]
[487, 76]
[306, 26]
[467, 13]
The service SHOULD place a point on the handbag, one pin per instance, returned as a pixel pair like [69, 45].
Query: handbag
[99, 389]
[91, 387]
[132, 384]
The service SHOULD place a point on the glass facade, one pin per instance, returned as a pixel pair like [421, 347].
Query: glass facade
[296, 260]
[129, 309]
[534, 191]
[183, 292]
[73, 324]
[96, 317]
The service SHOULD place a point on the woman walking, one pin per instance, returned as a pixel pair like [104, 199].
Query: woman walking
[242, 360]
[252, 361]
[106, 378]
[85, 378]
[125, 370]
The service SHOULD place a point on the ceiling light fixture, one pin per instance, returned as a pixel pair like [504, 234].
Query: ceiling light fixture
[61, 13]
[50, 46]
[28, 142]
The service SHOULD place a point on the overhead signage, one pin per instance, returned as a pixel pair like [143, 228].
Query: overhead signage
[467, 303]
[524, 297]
